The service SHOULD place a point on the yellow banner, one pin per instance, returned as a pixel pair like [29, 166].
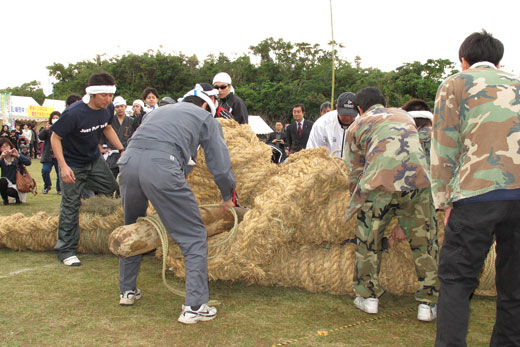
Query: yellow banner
[39, 111]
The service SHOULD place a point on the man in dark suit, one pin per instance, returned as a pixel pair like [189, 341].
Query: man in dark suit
[298, 131]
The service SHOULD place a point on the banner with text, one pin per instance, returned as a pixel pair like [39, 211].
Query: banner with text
[39, 111]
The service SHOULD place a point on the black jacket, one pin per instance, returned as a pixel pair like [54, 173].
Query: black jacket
[9, 171]
[124, 132]
[138, 119]
[272, 136]
[46, 155]
[235, 106]
[294, 142]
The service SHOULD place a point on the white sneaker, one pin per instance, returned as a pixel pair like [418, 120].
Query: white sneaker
[204, 313]
[72, 261]
[426, 313]
[368, 305]
[129, 297]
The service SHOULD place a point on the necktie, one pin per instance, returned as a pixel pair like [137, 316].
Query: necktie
[299, 129]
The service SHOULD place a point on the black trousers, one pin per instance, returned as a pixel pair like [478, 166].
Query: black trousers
[6, 192]
[468, 237]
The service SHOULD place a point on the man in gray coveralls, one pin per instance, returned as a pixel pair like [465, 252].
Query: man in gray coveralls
[160, 154]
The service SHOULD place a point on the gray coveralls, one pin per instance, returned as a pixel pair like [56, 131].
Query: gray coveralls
[154, 167]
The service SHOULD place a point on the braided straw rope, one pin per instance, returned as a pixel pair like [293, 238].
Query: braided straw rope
[487, 285]
[39, 232]
[291, 236]
[299, 209]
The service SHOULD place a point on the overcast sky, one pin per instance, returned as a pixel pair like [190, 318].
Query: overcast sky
[385, 34]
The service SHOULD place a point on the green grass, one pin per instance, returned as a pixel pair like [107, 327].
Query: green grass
[49, 304]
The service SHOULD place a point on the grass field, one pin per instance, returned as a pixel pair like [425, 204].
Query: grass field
[45, 303]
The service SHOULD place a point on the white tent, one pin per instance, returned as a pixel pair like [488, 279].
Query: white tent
[258, 125]
[57, 105]
[20, 106]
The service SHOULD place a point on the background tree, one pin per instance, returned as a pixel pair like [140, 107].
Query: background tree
[287, 74]
[32, 89]
[417, 80]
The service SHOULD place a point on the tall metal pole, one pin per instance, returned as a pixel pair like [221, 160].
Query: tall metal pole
[333, 57]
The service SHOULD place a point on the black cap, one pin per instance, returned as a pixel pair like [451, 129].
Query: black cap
[346, 104]
[206, 86]
[166, 101]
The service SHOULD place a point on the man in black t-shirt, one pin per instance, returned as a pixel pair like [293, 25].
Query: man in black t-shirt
[74, 142]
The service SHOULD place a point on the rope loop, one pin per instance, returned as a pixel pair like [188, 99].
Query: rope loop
[155, 221]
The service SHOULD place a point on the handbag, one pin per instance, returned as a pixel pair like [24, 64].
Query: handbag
[24, 182]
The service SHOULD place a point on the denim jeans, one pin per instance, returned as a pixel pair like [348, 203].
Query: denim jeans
[46, 173]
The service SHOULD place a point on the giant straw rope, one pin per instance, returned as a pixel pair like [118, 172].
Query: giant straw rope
[295, 233]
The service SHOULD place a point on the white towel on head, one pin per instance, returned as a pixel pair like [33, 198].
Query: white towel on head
[97, 90]
[421, 114]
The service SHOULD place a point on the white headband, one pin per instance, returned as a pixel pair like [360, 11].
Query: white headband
[421, 114]
[97, 90]
[204, 95]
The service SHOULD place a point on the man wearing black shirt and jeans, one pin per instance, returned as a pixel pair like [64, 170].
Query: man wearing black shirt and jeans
[74, 142]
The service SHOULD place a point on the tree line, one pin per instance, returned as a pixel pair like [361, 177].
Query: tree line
[287, 74]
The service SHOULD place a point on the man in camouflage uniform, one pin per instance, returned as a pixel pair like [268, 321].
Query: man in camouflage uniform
[423, 117]
[475, 170]
[388, 177]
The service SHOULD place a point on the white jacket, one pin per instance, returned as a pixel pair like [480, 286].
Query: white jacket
[328, 132]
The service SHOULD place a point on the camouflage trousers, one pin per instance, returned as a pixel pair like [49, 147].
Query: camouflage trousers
[413, 210]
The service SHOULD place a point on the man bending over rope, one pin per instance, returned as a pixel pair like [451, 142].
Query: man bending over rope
[159, 156]
[389, 177]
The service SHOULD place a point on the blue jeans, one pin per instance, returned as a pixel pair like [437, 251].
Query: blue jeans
[46, 173]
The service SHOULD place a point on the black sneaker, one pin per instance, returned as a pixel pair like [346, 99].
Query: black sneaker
[46, 190]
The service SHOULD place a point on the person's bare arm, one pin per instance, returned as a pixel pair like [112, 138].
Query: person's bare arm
[65, 171]
[112, 137]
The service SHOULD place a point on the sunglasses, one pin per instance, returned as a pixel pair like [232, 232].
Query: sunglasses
[221, 87]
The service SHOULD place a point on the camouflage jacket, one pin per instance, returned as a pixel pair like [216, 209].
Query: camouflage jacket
[476, 134]
[383, 152]
[425, 136]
